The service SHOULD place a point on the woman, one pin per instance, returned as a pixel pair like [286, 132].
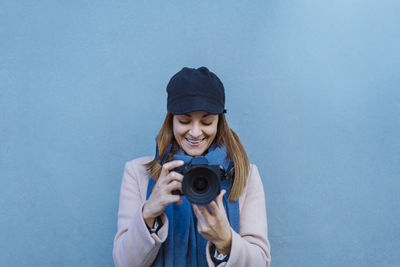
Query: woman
[158, 226]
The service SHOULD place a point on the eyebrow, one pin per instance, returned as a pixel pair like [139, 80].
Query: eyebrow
[205, 115]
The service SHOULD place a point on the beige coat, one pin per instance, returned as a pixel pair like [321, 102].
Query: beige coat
[135, 246]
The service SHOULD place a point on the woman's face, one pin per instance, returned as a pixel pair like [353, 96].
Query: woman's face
[195, 131]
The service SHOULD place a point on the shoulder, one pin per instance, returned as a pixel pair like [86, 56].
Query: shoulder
[253, 184]
[136, 177]
[254, 178]
[253, 170]
[140, 161]
[137, 166]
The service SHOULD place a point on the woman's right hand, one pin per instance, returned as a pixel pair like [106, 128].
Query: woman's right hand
[162, 196]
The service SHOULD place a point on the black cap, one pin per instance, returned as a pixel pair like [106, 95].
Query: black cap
[195, 89]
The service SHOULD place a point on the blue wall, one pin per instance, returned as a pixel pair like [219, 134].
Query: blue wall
[312, 90]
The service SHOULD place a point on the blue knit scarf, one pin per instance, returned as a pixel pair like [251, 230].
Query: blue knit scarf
[184, 246]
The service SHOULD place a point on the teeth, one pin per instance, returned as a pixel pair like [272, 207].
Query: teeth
[194, 141]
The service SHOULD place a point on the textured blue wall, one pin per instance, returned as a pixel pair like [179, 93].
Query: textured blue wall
[312, 90]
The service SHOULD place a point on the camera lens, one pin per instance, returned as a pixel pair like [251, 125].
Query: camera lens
[200, 184]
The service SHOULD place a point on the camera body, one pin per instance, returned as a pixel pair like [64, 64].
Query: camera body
[201, 181]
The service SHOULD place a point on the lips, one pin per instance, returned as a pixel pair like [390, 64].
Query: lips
[194, 142]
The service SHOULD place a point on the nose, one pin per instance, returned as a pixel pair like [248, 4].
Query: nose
[195, 130]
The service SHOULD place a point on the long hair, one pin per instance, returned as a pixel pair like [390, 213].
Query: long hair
[225, 135]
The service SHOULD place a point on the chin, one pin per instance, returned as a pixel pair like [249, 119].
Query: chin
[194, 152]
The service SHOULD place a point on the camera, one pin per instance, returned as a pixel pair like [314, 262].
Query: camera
[201, 182]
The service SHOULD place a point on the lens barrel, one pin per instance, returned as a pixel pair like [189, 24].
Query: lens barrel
[201, 184]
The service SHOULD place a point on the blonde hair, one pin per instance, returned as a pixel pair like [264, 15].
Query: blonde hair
[225, 135]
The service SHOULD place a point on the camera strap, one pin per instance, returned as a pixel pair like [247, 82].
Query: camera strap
[230, 171]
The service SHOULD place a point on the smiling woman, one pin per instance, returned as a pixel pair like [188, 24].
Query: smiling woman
[157, 224]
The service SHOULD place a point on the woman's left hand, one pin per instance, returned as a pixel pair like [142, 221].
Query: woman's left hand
[214, 225]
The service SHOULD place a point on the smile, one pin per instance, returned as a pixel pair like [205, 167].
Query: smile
[193, 142]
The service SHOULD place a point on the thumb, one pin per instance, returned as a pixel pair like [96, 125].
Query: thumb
[220, 198]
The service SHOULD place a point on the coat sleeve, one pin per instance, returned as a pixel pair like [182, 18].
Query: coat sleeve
[133, 243]
[250, 247]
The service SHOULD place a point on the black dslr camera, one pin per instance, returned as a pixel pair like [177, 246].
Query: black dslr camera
[201, 182]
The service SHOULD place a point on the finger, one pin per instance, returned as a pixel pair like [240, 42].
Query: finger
[197, 211]
[179, 201]
[204, 211]
[174, 176]
[176, 199]
[213, 208]
[174, 185]
[220, 197]
[168, 199]
[167, 167]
